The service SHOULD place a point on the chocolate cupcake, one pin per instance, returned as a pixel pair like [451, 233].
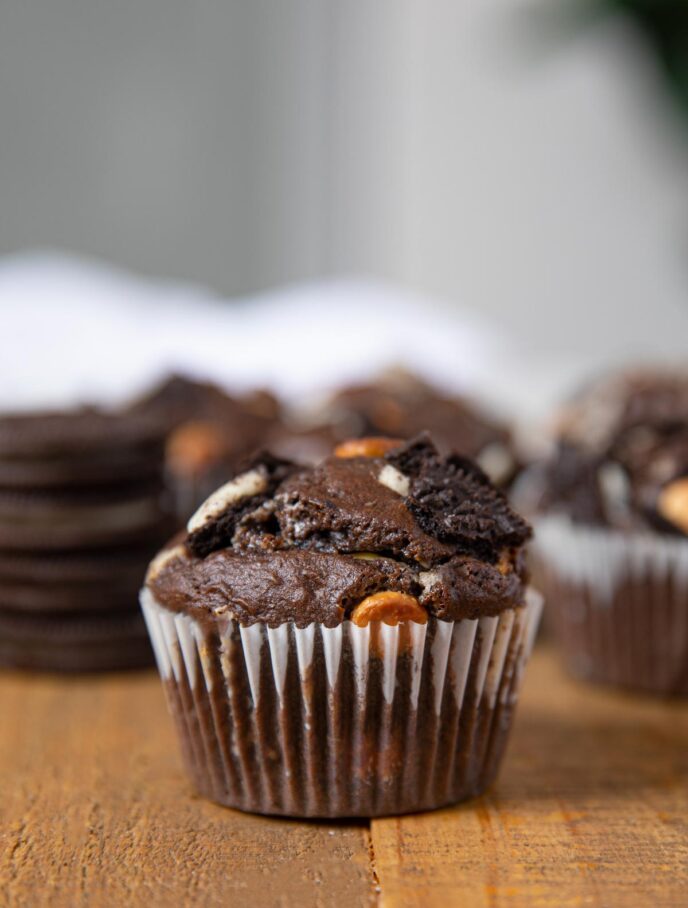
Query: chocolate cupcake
[209, 432]
[346, 639]
[400, 404]
[612, 538]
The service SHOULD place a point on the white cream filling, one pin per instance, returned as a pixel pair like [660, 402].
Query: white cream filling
[496, 460]
[428, 579]
[394, 480]
[244, 486]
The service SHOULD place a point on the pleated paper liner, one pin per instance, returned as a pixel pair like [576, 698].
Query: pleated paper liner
[344, 721]
[619, 604]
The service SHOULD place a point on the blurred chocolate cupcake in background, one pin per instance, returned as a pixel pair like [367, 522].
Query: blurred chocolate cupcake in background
[82, 507]
[208, 432]
[399, 404]
[295, 439]
[612, 530]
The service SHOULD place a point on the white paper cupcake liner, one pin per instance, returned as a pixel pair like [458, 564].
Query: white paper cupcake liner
[344, 721]
[619, 603]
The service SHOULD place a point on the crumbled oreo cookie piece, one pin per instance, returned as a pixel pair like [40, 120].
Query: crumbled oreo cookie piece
[411, 457]
[214, 524]
[570, 482]
[453, 501]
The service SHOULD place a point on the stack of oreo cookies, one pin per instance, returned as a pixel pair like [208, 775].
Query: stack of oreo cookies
[82, 511]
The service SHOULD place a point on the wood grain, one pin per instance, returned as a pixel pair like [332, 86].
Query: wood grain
[591, 810]
[95, 810]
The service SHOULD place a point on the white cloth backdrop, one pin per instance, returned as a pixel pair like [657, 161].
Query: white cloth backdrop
[75, 331]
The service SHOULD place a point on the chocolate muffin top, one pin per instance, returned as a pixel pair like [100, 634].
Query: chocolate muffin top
[621, 456]
[385, 530]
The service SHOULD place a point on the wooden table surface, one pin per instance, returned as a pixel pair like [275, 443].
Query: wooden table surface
[591, 809]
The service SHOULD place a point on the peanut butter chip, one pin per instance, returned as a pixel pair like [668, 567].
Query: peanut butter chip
[504, 563]
[194, 446]
[390, 608]
[373, 446]
[673, 503]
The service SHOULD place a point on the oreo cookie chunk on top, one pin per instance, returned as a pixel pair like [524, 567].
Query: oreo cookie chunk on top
[218, 518]
[453, 500]
[281, 542]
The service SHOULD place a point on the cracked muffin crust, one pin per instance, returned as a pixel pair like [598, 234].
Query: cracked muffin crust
[281, 542]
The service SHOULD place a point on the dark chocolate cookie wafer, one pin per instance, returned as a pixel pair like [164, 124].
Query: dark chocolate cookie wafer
[21, 538]
[41, 521]
[82, 447]
[100, 566]
[72, 643]
[84, 598]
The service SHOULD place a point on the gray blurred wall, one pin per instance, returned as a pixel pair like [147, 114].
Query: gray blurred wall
[248, 144]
